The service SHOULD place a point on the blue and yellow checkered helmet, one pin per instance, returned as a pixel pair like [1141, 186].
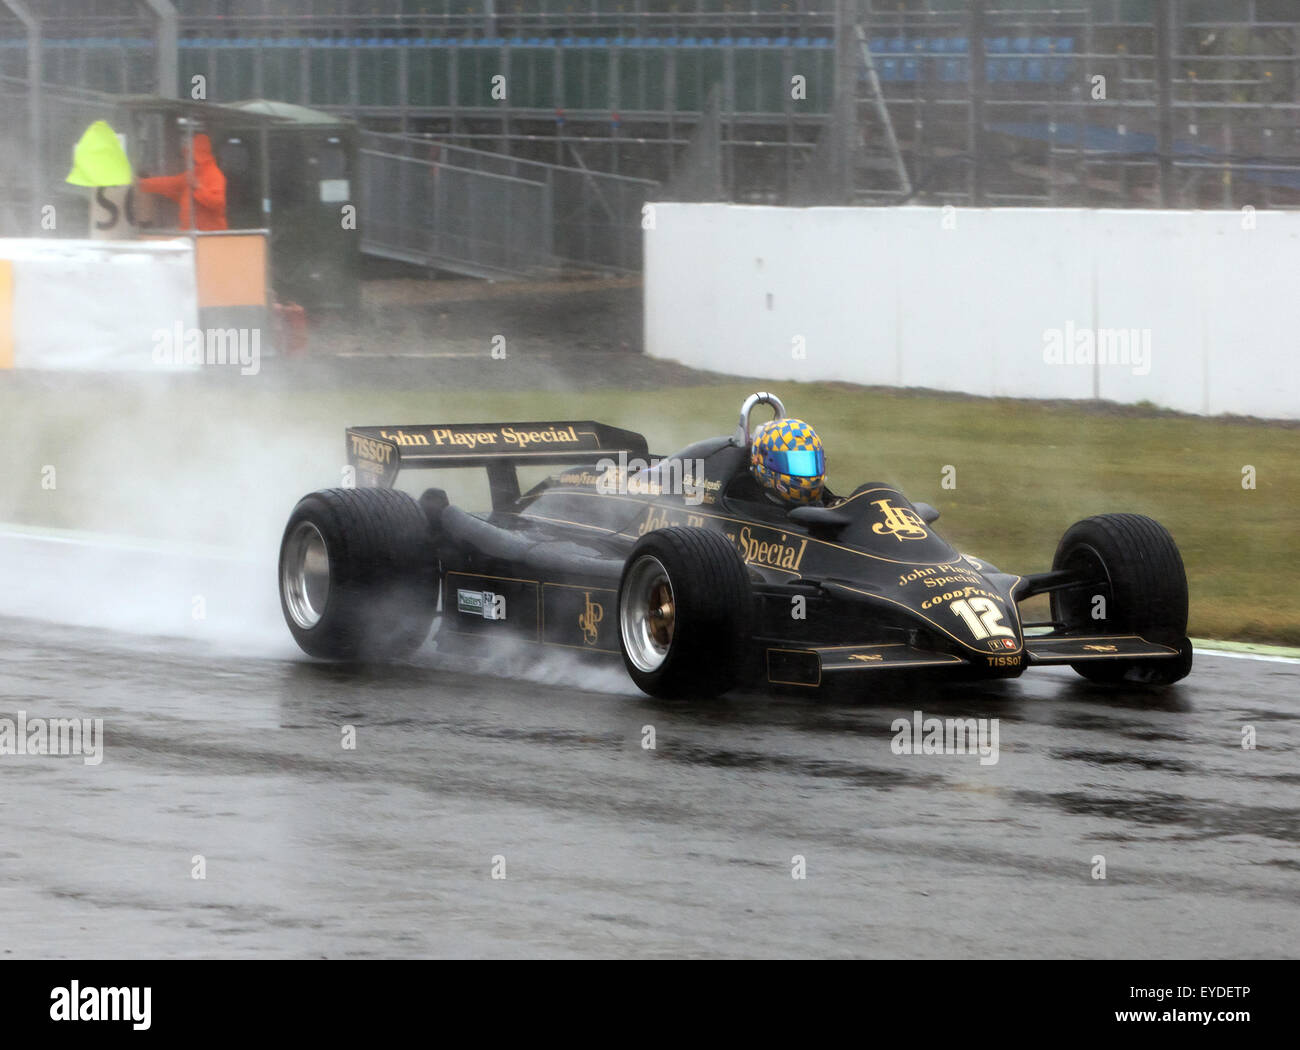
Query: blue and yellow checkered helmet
[787, 459]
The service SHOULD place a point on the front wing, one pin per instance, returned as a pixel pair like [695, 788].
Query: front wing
[813, 665]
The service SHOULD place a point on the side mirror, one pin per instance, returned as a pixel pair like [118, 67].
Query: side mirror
[819, 519]
[928, 513]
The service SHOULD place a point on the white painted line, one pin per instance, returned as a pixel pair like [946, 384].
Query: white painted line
[415, 355]
[102, 541]
[1247, 656]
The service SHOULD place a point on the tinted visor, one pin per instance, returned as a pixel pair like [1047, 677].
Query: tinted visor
[797, 463]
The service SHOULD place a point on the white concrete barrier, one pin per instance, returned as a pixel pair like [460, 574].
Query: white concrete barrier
[95, 305]
[1196, 311]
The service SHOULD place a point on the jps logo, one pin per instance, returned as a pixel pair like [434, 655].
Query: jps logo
[900, 522]
[590, 619]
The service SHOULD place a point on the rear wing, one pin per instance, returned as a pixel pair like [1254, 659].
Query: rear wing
[376, 454]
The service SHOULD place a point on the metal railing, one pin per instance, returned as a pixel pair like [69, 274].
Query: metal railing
[479, 212]
[454, 16]
[32, 176]
[446, 217]
[987, 116]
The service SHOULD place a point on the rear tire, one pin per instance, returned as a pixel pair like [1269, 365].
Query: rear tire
[1144, 588]
[685, 607]
[358, 574]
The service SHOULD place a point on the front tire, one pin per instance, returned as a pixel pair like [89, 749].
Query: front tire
[685, 609]
[1142, 587]
[358, 574]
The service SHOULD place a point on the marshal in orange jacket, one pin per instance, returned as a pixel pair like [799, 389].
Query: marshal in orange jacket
[209, 189]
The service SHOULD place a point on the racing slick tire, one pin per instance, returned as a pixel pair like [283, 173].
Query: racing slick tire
[358, 574]
[685, 608]
[1145, 593]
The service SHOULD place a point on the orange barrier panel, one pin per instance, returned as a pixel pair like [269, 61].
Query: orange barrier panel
[231, 269]
[6, 313]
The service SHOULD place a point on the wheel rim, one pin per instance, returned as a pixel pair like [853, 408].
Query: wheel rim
[305, 575]
[647, 614]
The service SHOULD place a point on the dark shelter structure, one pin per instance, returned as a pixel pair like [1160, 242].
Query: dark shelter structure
[289, 170]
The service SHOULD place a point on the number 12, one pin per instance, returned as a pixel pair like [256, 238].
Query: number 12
[982, 617]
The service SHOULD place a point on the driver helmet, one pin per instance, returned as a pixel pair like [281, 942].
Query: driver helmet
[787, 460]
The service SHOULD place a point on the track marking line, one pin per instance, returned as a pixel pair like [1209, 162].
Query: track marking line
[1247, 656]
[128, 544]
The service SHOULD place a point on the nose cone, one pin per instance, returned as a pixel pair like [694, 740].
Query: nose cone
[971, 607]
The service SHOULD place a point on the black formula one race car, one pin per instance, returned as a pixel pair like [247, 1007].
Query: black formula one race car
[685, 568]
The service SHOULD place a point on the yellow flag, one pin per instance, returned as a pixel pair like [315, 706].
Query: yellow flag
[99, 159]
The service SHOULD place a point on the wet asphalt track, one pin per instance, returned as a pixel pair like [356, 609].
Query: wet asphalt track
[230, 749]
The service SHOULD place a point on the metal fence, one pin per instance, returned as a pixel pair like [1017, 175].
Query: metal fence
[454, 16]
[475, 211]
[16, 171]
[598, 218]
[1169, 103]
[32, 177]
[990, 102]
[447, 217]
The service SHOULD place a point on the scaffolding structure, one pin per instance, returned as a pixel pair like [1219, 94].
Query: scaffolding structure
[1175, 103]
